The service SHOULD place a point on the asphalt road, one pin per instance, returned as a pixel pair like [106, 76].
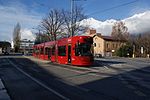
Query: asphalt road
[28, 78]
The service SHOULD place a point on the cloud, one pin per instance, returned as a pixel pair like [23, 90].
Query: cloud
[16, 12]
[103, 27]
[27, 34]
[138, 23]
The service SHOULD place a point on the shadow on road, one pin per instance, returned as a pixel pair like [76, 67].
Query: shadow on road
[125, 86]
[131, 85]
[102, 63]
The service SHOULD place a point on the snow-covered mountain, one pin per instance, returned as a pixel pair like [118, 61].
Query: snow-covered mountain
[138, 23]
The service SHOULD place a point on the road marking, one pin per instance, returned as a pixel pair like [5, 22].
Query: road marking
[106, 67]
[43, 85]
[140, 93]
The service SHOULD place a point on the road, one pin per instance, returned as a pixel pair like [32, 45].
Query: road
[28, 78]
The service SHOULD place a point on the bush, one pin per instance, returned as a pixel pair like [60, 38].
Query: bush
[125, 51]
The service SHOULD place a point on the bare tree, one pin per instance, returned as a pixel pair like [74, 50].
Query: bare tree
[40, 38]
[72, 20]
[146, 42]
[142, 40]
[120, 31]
[17, 37]
[139, 41]
[53, 23]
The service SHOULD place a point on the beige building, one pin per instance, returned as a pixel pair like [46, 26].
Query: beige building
[104, 45]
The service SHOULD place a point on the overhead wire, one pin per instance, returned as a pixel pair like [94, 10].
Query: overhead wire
[114, 7]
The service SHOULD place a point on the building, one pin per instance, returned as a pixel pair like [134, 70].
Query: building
[26, 46]
[105, 45]
[5, 47]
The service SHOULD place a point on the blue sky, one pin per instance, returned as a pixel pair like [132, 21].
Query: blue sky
[90, 7]
[30, 12]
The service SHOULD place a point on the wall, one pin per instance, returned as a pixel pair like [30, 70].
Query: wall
[99, 48]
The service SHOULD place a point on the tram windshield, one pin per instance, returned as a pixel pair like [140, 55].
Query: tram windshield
[83, 49]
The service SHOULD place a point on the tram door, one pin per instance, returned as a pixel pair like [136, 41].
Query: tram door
[69, 53]
[49, 53]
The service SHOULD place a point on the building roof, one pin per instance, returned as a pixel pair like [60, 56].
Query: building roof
[5, 44]
[108, 38]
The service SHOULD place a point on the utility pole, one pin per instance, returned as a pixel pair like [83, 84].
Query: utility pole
[72, 20]
[72, 10]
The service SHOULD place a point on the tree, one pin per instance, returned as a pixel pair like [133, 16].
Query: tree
[139, 41]
[52, 24]
[120, 31]
[125, 50]
[146, 42]
[17, 37]
[72, 20]
[57, 24]
[40, 38]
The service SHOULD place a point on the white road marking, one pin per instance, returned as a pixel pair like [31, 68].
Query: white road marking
[106, 67]
[43, 85]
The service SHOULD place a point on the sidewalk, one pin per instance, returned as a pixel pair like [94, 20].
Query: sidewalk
[3, 92]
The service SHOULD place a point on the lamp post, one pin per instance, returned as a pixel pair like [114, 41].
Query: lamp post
[133, 51]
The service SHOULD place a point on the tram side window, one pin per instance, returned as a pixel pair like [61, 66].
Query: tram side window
[62, 50]
[46, 51]
[42, 50]
[53, 50]
[77, 51]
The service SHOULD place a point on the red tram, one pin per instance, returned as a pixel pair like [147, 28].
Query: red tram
[75, 50]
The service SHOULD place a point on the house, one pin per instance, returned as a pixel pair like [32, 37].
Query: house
[105, 45]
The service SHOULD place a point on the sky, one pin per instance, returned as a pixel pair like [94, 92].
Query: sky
[29, 13]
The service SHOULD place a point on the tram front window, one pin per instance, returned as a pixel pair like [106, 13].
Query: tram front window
[83, 49]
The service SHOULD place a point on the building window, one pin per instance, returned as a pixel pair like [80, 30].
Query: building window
[107, 45]
[116, 45]
[94, 44]
[113, 45]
